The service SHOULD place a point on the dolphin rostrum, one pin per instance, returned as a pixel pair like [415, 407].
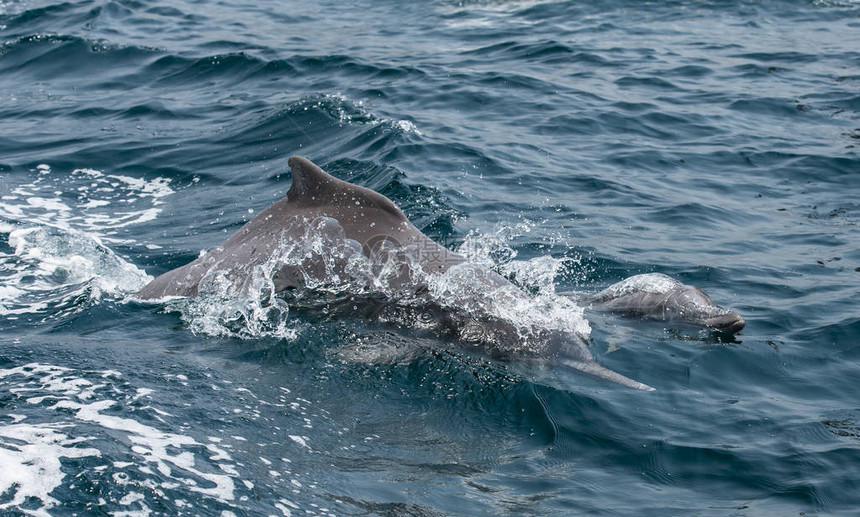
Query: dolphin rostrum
[363, 235]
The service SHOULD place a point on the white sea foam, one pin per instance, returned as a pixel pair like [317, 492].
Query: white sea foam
[301, 440]
[31, 457]
[56, 224]
[32, 453]
[65, 425]
[51, 267]
[87, 200]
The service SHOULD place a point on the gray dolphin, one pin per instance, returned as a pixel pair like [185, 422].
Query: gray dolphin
[661, 297]
[366, 217]
[364, 224]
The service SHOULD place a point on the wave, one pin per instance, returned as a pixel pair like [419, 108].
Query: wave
[52, 274]
[547, 52]
[55, 262]
[31, 445]
[58, 55]
[312, 120]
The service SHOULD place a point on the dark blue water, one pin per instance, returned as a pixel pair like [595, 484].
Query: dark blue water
[570, 143]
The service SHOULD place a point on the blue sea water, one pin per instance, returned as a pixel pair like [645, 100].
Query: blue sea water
[569, 144]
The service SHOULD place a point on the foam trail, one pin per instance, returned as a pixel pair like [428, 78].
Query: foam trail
[32, 454]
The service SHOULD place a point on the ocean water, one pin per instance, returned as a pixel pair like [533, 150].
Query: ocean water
[567, 144]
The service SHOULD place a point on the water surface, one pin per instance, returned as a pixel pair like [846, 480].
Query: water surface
[569, 144]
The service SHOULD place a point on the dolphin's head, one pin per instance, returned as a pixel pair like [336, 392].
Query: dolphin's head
[692, 304]
[730, 322]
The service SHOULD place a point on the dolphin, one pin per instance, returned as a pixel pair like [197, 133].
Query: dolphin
[359, 224]
[660, 297]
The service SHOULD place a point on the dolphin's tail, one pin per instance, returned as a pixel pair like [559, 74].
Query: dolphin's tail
[595, 370]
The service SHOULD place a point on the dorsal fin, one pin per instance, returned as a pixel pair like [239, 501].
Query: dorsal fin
[308, 179]
[313, 186]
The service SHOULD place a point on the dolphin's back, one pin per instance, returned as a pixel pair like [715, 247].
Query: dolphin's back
[365, 216]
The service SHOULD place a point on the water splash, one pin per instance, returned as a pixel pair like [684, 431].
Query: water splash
[656, 283]
[348, 111]
[49, 269]
[328, 266]
[316, 269]
[56, 225]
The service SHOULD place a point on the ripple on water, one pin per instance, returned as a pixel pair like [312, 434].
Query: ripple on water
[712, 141]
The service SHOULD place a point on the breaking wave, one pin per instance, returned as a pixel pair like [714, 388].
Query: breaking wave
[54, 259]
[54, 272]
